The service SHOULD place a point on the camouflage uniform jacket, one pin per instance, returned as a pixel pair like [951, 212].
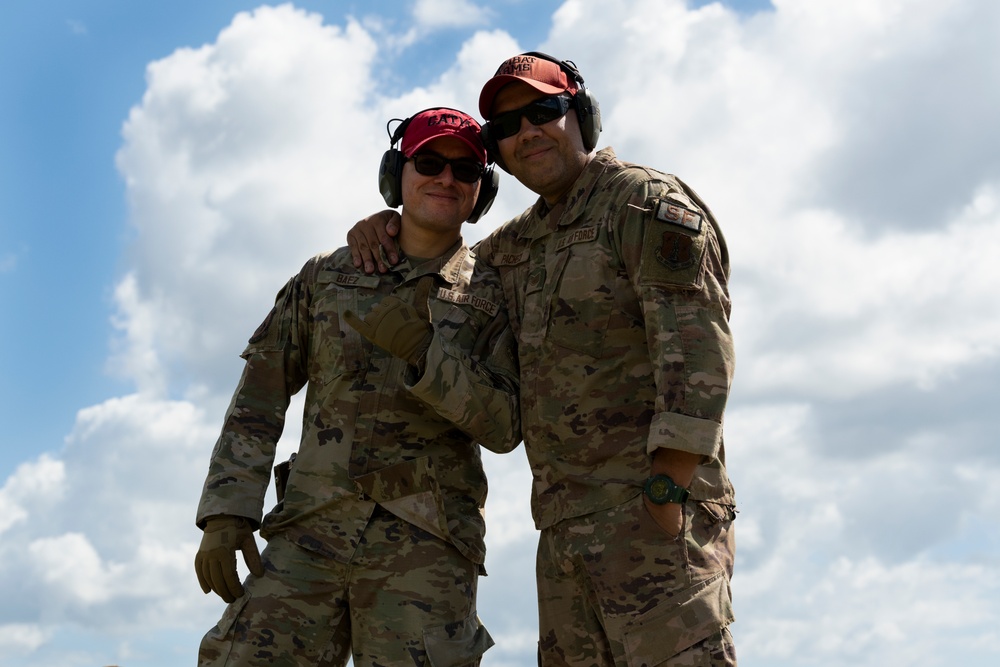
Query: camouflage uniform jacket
[370, 433]
[619, 302]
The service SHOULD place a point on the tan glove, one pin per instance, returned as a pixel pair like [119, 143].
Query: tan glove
[402, 329]
[215, 562]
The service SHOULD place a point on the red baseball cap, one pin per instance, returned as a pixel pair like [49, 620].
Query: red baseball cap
[431, 124]
[545, 76]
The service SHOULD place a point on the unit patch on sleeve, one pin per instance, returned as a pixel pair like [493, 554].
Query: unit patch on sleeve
[675, 251]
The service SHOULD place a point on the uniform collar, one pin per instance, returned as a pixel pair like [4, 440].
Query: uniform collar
[449, 266]
[573, 204]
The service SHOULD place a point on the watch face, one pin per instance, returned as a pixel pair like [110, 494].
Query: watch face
[659, 488]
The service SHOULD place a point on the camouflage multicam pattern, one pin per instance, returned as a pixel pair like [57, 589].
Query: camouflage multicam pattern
[365, 437]
[619, 590]
[619, 301]
[367, 440]
[621, 316]
[405, 599]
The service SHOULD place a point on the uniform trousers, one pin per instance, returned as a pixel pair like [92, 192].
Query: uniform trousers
[406, 599]
[616, 590]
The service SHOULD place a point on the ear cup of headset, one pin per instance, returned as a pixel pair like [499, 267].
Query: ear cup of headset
[390, 177]
[588, 112]
[489, 185]
[390, 170]
[492, 149]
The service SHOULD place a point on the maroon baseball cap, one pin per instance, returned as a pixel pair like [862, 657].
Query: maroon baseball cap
[431, 124]
[542, 74]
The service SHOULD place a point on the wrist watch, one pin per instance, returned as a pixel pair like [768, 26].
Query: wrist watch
[660, 490]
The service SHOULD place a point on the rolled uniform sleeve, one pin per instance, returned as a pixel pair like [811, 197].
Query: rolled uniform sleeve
[480, 398]
[676, 260]
[470, 373]
[240, 467]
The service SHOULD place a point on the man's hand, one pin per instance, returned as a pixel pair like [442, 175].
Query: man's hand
[670, 517]
[365, 237]
[679, 466]
[403, 329]
[215, 562]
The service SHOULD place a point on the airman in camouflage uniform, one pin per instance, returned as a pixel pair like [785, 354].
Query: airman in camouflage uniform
[616, 284]
[375, 548]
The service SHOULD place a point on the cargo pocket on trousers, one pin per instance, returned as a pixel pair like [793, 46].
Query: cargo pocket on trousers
[222, 637]
[457, 644]
[679, 623]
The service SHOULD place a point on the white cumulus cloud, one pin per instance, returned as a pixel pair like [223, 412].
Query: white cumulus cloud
[845, 148]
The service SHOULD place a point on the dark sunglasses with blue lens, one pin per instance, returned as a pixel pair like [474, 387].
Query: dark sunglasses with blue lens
[466, 170]
[539, 112]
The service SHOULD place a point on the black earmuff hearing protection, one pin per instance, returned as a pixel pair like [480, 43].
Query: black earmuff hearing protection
[588, 111]
[390, 173]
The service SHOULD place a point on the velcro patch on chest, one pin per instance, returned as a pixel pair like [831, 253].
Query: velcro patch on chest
[463, 298]
[673, 213]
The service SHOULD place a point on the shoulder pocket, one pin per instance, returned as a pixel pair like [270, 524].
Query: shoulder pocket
[673, 245]
[271, 333]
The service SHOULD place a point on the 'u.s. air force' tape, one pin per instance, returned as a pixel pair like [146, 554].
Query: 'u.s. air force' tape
[485, 305]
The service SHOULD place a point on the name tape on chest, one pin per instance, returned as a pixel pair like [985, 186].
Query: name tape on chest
[509, 258]
[348, 279]
[464, 298]
[673, 213]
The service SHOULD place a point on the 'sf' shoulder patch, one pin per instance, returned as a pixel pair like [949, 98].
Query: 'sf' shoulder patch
[674, 213]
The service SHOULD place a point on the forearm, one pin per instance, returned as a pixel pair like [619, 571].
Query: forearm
[240, 468]
[480, 399]
[679, 465]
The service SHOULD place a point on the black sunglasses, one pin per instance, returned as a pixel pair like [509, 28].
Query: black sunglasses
[539, 112]
[463, 169]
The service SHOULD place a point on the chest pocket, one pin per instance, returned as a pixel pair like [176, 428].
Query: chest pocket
[452, 323]
[335, 347]
[583, 291]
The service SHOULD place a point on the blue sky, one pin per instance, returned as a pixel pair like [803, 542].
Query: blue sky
[165, 166]
[70, 71]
